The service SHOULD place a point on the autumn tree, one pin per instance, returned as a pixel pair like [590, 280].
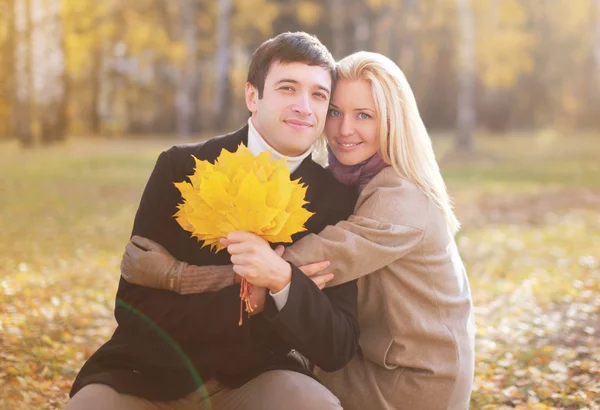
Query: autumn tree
[222, 62]
[25, 95]
[153, 66]
[504, 47]
[465, 122]
[8, 87]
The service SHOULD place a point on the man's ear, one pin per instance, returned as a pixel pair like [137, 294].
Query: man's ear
[251, 97]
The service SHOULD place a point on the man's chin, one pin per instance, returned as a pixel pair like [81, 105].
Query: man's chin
[296, 152]
[301, 147]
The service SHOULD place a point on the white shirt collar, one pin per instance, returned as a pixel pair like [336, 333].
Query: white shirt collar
[257, 144]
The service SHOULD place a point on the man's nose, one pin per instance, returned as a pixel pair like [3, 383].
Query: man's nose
[302, 105]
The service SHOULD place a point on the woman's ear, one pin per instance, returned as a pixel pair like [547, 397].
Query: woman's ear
[251, 97]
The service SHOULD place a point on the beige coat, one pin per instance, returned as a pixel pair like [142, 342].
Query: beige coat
[415, 310]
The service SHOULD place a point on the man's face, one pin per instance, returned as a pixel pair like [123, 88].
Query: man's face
[291, 114]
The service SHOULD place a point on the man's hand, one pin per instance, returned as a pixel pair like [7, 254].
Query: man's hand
[148, 264]
[312, 270]
[254, 260]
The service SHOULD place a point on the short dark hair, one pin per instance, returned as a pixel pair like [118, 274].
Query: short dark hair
[298, 47]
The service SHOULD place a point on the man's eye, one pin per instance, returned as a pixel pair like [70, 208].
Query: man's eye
[333, 113]
[320, 95]
[286, 88]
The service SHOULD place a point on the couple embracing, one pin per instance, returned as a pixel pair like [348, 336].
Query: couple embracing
[369, 308]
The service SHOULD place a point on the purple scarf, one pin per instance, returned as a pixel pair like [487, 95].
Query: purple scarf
[358, 174]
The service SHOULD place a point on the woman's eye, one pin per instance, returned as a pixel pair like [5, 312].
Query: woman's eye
[286, 88]
[364, 116]
[333, 113]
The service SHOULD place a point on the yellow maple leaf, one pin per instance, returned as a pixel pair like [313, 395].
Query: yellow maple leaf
[242, 192]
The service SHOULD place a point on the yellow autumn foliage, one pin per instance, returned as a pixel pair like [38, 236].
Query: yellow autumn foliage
[308, 12]
[241, 192]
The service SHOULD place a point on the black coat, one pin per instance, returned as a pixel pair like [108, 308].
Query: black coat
[166, 344]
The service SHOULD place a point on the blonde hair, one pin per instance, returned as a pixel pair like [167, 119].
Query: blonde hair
[404, 141]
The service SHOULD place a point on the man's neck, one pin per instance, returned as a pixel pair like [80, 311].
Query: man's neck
[257, 144]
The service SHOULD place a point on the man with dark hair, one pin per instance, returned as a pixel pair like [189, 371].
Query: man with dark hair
[288, 48]
[174, 351]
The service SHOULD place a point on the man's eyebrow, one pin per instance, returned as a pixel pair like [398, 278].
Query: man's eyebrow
[291, 80]
[287, 80]
[322, 87]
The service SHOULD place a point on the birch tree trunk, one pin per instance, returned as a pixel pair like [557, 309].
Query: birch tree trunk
[597, 45]
[11, 84]
[405, 36]
[362, 32]
[222, 62]
[50, 76]
[187, 89]
[23, 72]
[466, 115]
[383, 25]
[337, 16]
[63, 113]
[96, 78]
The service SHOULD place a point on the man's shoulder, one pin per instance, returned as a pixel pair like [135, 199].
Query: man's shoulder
[333, 186]
[332, 193]
[210, 148]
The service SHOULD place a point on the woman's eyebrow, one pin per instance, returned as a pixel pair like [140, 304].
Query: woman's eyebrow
[356, 109]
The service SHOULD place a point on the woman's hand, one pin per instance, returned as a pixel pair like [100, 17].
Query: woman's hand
[148, 264]
[254, 260]
[313, 270]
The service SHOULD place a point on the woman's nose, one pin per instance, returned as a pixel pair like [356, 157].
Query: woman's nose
[346, 127]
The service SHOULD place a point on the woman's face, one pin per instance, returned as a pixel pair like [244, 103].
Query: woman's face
[352, 126]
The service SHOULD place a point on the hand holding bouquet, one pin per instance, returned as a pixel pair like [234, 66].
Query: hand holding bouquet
[241, 192]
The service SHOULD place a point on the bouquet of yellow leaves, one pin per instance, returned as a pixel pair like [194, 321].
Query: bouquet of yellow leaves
[241, 192]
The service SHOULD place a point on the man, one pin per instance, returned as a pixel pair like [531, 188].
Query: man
[188, 351]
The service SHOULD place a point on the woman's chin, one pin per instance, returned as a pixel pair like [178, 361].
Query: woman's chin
[348, 158]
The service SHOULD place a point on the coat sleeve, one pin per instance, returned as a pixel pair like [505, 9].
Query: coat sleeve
[322, 325]
[386, 226]
[210, 278]
[183, 318]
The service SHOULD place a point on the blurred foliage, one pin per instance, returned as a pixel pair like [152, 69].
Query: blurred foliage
[73, 67]
[530, 206]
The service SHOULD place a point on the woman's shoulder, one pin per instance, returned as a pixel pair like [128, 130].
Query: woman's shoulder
[395, 188]
[392, 198]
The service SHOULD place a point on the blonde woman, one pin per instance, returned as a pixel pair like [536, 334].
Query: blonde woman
[415, 310]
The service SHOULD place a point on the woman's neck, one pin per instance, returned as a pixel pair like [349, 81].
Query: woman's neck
[359, 174]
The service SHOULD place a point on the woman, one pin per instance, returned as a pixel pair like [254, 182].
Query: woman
[415, 310]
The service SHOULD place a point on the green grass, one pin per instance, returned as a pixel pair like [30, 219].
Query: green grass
[530, 207]
[521, 164]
